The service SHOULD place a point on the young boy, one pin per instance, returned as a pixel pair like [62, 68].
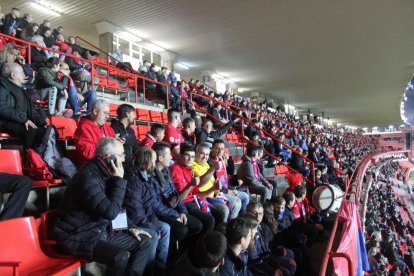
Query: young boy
[156, 134]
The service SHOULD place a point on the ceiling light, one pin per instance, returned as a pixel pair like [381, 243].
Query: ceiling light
[185, 67]
[45, 7]
[240, 90]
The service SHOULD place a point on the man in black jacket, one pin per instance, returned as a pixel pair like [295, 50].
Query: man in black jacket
[90, 222]
[122, 128]
[17, 113]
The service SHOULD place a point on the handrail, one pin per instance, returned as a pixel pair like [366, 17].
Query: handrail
[274, 157]
[312, 165]
[91, 62]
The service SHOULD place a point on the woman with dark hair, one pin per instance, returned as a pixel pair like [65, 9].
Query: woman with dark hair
[139, 208]
[29, 32]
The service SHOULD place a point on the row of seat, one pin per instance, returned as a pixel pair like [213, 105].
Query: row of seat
[26, 248]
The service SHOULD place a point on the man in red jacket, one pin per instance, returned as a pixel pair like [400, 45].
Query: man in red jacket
[90, 130]
[172, 133]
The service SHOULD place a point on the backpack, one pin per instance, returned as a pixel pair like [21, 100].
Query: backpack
[37, 168]
[50, 153]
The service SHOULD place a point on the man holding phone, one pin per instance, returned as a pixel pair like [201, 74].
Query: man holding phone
[91, 223]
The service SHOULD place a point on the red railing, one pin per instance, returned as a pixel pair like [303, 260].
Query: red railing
[27, 45]
[268, 134]
[311, 181]
[353, 186]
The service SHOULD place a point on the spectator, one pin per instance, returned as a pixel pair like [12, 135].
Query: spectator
[156, 134]
[17, 113]
[239, 234]
[45, 24]
[188, 187]
[48, 38]
[62, 46]
[188, 131]
[238, 199]
[122, 128]
[11, 21]
[298, 163]
[57, 32]
[204, 258]
[90, 130]
[29, 32]
[172, 77]
[250, 174]
[94, 199]
[50, 88]
[139, 202]
[39, 56]
[25, 22]
[176, 215]
[206, 133]
[202, 169]
[172, 133]
[162, 77]
[174, 96]
[19, 187]
[150, 74]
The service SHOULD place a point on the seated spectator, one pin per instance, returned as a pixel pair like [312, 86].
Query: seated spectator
[17, 113]
[11, 53]
[39, 56]
[150, 74]
[122, 128]
[50, 88]
[90, 130]
[204, 258]
[261, 259]
[239, 233]
[29, 32]
[187, 186]
[175, 213]
[11, 21]
[280, 150]
[58, 31]
[19, 187]
[215, 111]
[162, 78]
[298, 162]
[250, 174]
[144, 67]
[139, 202]
[172, 133]
[238, 199]
[202, 169]
[188, 131]
[156, 134]
[88, 209]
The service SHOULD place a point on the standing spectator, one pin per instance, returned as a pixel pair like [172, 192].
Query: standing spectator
[11, 21]
[29, 32]
[122, 128]
[90, 130]
[45, 24]
[174, 96]
[162, 77]
[47, 36]
[172, 133]
[57, 32]
[94, 199]
[24, 23]
[17, 113]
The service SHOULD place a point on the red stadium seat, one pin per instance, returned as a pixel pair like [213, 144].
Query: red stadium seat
[142, 114]
[21, 253]
[156, 116]
[65, 126]
[142, 131]
[112, 109]
[14, 166]
[164, 116]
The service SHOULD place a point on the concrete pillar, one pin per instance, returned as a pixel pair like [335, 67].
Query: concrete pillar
[106, 32]
[167, 59]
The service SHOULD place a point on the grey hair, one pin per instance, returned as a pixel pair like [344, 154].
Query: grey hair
[9, 68]
[100, 104]
[202, 146]
[105, 146]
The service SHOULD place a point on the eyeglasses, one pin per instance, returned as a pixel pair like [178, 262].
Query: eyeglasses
[189, 156]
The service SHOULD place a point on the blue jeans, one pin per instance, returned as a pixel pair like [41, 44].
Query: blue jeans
[244, 198]
[89, 99]
[160, 244]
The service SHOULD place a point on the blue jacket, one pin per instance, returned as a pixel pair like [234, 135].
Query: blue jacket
[138, 200]
[235, 265]
[165, 189]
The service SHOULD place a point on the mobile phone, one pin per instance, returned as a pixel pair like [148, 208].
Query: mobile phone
[109, 159]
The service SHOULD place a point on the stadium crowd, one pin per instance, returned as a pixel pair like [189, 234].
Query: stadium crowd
[176, 197]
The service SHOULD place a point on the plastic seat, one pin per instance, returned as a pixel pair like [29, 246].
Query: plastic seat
[156, 116]
[112, 109]
[21, 253]
[65, 126]
[142, 114]
[142, 131]
[14, 166]
[135, 129]
[164, 116]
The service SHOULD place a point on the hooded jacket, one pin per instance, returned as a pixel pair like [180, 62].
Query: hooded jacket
[246, 173]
